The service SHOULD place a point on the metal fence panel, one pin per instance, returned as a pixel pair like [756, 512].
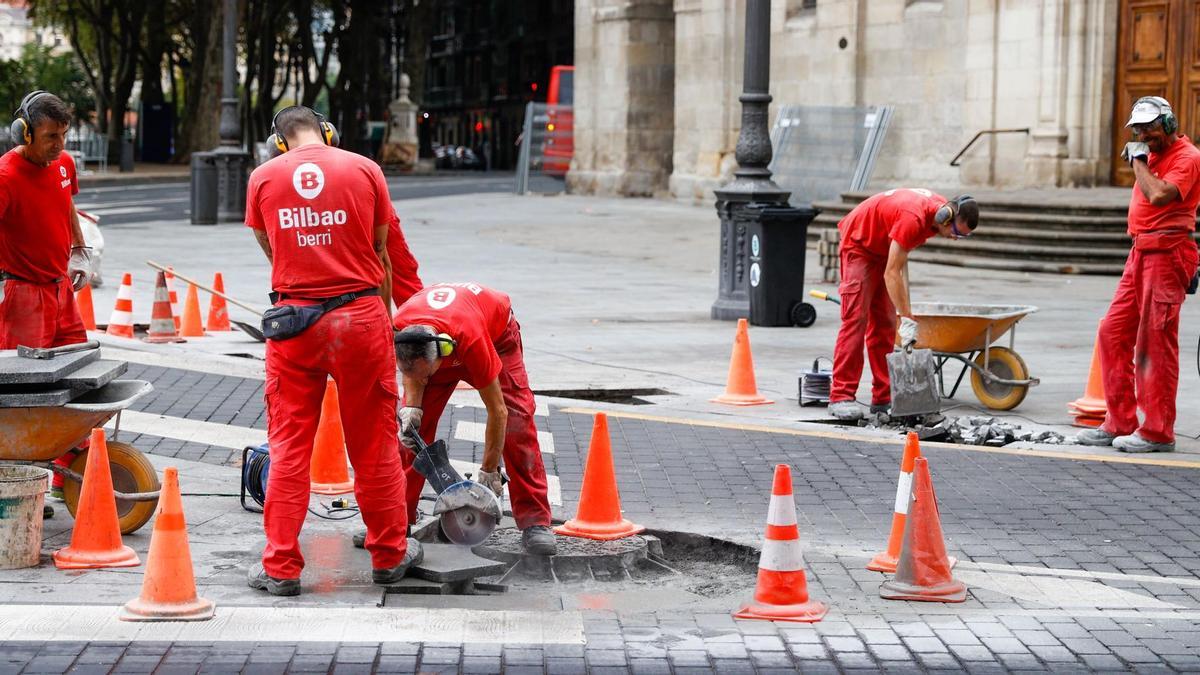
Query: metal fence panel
[547, 145]
[823, 151]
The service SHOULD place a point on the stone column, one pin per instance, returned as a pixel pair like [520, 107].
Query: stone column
[399, 148]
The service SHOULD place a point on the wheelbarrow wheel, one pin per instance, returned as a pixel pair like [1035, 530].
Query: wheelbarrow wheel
[131, 472]
[1005, 364]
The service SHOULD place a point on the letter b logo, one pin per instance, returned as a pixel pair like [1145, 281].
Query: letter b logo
[309, 180]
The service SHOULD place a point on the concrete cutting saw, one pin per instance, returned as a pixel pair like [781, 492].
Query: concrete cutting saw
[468, 512]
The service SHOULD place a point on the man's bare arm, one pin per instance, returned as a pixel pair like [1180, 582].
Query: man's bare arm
[1157, 191]
[385, 289]
[895, 277]
[264, 242]
[76, 228]
[497, 426]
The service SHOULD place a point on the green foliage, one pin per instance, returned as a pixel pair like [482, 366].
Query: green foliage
[40, 68]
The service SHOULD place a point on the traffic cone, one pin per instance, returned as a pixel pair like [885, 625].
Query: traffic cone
[96, 539]
[191, 326]
[162, 324]
[329, 472]
[174, 298]
[599, 512]
[120, 322]
[169, 585]
[83, 302]
[781, 593]
[740, 389]
[218, 315]
[1092, 404]
[886, 561]
[923, 572]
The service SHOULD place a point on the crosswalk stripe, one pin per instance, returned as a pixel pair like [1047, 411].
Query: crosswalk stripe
[474, 432]
[192, 431]
[553, 485]
[470, 399]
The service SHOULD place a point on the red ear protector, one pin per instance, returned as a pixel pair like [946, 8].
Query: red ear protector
[279, 144]
[445, 343]
[21, 129]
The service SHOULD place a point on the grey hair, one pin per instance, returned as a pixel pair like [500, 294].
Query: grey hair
[47, 107]
[410, 351]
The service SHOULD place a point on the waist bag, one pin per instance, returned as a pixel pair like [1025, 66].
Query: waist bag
[287, 321]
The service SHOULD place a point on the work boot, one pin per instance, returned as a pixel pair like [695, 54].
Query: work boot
[846, 411]
[360, 539]
[1135, 443]
[1097, 436]
[539, 540]
[260, 580]
[878, 408]
[413, 555]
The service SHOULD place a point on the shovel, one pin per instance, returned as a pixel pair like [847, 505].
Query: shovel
[914, 382]
[246, 328]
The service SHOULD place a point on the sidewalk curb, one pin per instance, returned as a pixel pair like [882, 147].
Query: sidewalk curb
[132, 180]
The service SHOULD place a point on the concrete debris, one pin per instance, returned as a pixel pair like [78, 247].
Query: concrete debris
[971, 430]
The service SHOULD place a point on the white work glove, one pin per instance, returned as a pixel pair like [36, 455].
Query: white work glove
[1135, 150]
[79, 267]
[908, 332]
[410, 420]
[491, 480]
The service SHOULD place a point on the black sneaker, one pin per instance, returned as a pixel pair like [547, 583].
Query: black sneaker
[539, 540]
[260, 580]
[413, 555]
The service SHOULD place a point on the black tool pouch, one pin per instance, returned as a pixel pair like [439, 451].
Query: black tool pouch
[287, 321]
[1195, 283]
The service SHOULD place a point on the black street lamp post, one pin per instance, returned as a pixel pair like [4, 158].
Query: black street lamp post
[232, 160]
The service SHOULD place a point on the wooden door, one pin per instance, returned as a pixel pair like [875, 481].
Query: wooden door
[1149, 61]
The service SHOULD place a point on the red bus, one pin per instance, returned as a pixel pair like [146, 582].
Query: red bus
[560, 123]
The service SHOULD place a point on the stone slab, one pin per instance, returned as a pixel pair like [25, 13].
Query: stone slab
[94, 375]
[450, 562]
[36, 399]
[17, 370]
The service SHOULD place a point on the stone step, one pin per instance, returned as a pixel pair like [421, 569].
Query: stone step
[1034, 204]
[1032, 237]
[1014, 265]
[998, 217]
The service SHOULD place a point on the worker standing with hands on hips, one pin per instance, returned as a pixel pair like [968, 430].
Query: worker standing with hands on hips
[321, 216]
[43, 258]
[1139, 336]
[465, 332]
[876, 238]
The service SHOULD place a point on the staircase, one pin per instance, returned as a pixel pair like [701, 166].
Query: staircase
[1063, 232]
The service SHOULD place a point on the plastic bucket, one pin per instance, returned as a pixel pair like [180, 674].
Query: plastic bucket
[22, 491]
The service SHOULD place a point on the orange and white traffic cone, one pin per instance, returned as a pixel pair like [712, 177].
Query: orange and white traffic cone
[923, 572]
[96, 539]
[782, 590]
[83, 302]
[218, 314]
[120, 322]
[1089, 410]
[599, 513]
[174, 298]
[329, 471]
[162, 324]
[886, 561]
[191, 326]
[741, 388]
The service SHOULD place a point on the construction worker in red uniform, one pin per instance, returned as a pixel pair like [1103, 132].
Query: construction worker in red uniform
[876, 238]
[321, 216]
[43, 258]
[472, 336]
[1139, 336]
[405, 279]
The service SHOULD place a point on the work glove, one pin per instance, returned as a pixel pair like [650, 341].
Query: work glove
[79, 267]
[1135, 150]
[908, 332]
[410, 421]
[492, 480]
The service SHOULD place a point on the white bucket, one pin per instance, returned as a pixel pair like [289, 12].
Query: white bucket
[22, 491]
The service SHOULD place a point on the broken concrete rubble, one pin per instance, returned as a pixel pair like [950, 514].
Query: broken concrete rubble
[967, 430]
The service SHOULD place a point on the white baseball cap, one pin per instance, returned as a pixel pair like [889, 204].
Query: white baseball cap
[1147, 109]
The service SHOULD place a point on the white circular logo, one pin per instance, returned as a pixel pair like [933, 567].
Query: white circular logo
[754, 245]
[755, 274]
[62, 170]
[440, 298]
[309, 180]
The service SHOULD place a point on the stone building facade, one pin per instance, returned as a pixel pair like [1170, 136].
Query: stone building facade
[657, 83]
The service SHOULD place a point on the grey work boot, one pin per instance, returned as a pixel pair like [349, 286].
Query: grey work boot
[413, 555]
[539, 540]
[1097, 436]
[259, 579]
[881, 408]
[846, 411]
[1135, 443]
[360, 539]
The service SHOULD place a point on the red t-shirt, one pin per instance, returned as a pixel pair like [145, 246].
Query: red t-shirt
[1179, 166]
[319, 207]
[35, 216]
[474, 316]
[405, 280]
[903, 215]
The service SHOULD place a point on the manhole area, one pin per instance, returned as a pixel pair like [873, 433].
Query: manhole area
[621, 396]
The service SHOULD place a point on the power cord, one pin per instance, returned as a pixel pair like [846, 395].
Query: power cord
[256, 464]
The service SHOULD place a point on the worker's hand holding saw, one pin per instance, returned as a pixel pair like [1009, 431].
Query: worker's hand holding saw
[492, 480]
[410, 424]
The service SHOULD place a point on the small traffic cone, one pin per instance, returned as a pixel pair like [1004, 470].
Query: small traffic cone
[1088, 421]
[162, 324]
[599, 512]
[923, 572]
[96, 539]
[1092, 404]
[218, 314]
[169, 585]
[329, 472]
[83, 302]
[886, 561]
[174, 298]
[781, 593]
[740, 389]
[120, 322]
[191, 326]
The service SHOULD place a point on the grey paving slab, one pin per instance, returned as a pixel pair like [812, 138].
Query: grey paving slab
[20, 370]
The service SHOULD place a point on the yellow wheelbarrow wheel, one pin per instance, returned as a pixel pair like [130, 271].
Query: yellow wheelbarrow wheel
[1005, 364]
[131, 472]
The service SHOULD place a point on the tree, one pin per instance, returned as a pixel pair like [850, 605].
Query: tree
[40, 68]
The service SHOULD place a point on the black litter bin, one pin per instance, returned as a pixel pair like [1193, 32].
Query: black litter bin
[204, 188]
[778, 243]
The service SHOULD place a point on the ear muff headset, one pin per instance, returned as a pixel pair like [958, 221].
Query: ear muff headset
[951, 208]
[1170, 124]
[21, 129]
[445, 343]
[277, 142]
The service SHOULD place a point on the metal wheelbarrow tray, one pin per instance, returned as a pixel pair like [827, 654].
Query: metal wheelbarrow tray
[965, 333]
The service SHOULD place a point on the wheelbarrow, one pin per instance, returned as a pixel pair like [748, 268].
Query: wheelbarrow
[40, 435]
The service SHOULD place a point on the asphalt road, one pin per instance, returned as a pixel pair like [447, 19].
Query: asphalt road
[126, 204]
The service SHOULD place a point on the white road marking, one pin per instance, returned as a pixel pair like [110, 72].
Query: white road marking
[474, 432]
[121, 210]
[84, 623]
[470, 399]
[1063, 593]
[553, 485]
[90, 207]
[193, 431]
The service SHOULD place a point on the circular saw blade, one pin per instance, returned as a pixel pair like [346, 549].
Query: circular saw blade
[468, 526]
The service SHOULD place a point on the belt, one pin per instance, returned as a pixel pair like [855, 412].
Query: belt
[5, 276]
[1161, 240]
[277, 297]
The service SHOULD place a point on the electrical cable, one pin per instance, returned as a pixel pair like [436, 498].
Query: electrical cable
[255, 467]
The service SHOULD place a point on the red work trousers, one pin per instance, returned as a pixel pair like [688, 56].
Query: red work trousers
[868, 317]
[39, 315]
[522, 454]
[353, 344]
[1139, 342]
